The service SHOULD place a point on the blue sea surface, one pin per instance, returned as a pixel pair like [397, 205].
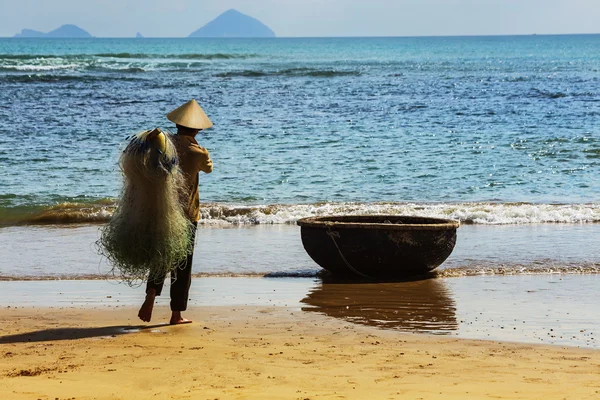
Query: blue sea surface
[490, 131]
[507, 119]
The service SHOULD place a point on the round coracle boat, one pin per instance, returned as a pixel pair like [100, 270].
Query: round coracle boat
[380, 247]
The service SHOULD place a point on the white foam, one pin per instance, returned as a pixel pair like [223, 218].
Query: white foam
[549, 268]
[45, 67]
[468, 213]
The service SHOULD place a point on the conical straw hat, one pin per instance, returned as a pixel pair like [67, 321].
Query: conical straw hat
[190, 115]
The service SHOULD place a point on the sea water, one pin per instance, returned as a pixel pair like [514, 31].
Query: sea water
[481, 129]
[501, 130]
[500, 133]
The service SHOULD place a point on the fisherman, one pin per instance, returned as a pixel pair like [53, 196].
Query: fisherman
[189, 120]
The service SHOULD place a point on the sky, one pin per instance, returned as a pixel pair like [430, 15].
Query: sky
[305, 18]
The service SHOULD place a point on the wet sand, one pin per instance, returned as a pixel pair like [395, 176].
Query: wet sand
[269, 352]
[538, 309]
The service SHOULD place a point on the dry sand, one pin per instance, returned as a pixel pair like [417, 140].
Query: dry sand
[269, 353]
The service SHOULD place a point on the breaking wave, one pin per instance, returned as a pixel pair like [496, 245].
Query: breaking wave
[99, 211]
[111, 62]
[192, 56]
[466, 213]
[49, 78]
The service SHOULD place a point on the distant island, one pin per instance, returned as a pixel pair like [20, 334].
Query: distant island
[233, 24]
[230, 24]
[65, 31]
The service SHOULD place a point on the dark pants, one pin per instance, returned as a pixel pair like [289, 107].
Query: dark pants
[181, 280]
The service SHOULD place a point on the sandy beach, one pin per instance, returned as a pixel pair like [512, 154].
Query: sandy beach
[493, 336]
[269, 353]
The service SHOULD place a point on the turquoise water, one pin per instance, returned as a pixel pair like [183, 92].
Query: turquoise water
[486, 129]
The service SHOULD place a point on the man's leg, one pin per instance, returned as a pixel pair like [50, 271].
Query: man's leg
[181, 280]
[153, 289]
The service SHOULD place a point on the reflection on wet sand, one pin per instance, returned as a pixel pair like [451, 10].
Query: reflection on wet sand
[424, 306]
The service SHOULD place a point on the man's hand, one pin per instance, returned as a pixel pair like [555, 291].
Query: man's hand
[209, 166]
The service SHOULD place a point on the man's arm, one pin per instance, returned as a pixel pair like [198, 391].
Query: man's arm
[201, 158]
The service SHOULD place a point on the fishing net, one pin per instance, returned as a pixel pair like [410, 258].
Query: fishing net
[149, 234]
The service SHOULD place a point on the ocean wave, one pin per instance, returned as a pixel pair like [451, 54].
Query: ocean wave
[43, 56]
[315, 73]
[123, 68]
[100, 211]
[40, 68]
[75, 67]
[191, 56]
[547, 94]
[466, 213]
[43, 78]
[162, 65]
[106, 67]
[109, 62]
[184, 56]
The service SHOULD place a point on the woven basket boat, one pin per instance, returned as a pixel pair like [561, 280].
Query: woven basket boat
[379, 247]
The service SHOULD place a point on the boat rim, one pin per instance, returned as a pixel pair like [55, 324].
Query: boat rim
[326, 222]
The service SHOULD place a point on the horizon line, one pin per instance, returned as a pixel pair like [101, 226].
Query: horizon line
[315, 37]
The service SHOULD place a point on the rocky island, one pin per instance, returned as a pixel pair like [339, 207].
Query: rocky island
[233, 24]
[65, 31]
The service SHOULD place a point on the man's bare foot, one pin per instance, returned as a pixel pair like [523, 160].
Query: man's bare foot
[145, 312]
[181, 321]
[177, 319]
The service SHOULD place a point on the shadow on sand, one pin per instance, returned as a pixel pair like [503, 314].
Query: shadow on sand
[48, 335]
